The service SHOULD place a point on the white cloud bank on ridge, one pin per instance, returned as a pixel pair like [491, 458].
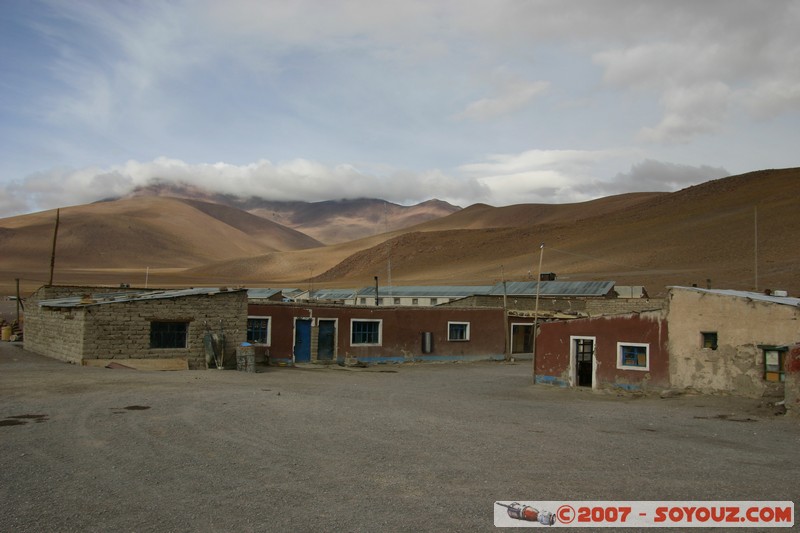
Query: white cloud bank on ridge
[534, 176]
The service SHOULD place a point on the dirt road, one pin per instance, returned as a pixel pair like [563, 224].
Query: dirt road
[396, 448]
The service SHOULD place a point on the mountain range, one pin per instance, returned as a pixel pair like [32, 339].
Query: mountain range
[739, 232]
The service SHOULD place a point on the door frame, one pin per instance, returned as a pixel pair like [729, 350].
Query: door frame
[573, 354]
[310, 322]
[335, 337]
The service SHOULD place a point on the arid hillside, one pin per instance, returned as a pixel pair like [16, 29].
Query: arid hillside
[131, 235]
[739, 232]
[329, 222]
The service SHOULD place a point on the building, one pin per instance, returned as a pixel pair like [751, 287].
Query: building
[725, 341]
[156, 329]
[627, 351]
[298, 333]
[704, 340]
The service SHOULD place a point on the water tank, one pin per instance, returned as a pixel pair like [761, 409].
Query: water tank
[427, 342]
[780, 294]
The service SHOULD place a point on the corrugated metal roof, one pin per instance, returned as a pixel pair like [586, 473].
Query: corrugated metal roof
[757, 296]
[554, 288]
[263, 294]
[120, 297]
[440, 291]
[333, 294]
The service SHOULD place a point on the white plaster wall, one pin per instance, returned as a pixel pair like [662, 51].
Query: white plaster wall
[736, 366]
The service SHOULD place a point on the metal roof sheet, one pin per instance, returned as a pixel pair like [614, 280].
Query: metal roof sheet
[333, 294]
[757, 296]
[262, 294]
[120, 297]
[554, 288]
[439, 291]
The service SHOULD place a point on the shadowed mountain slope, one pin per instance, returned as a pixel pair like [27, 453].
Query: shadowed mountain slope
[703, 232]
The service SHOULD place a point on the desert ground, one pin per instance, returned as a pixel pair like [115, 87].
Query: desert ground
[386, 448]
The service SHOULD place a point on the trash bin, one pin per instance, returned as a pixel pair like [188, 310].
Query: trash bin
[246, 357]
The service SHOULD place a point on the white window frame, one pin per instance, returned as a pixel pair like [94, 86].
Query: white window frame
[268, 341]
[466, 333]
[380, 331]
[645, 345]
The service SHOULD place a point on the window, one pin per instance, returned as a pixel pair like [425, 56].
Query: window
[365, 332]
[168, 334]
[434, 301]
[258, 329]
[709, 339]
[414, 301]
[380, 301]
[397, 301]
[458, 331]
[633, 356]
[363, 301]
[774, 363]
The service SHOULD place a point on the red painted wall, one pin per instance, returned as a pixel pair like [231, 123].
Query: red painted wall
[401, 331]
[553, 349]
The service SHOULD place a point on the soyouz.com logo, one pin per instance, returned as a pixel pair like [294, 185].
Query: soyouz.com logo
[722, 514]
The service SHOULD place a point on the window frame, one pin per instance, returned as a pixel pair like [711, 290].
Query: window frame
[706, 336]
[268, 339]
[176, 334]
[781, 371]
[620, 360]
[467, 328]
[377, 321]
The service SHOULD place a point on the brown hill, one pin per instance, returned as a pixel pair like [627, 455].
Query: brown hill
[136, 234]
[652, 239]
[330, 222]
[690, 236]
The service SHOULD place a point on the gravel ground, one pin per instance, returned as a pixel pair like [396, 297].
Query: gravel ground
[389, 448]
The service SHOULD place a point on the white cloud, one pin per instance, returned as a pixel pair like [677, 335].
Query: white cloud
[298, 179]
[690, 111]
[513, 97]
[650, 175]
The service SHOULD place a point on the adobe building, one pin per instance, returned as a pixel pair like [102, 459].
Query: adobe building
[628, 351]
[138, 328]
[704, 340]
[725, 341]
[301, 333]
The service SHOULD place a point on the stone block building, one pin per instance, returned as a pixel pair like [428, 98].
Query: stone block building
[84, 326]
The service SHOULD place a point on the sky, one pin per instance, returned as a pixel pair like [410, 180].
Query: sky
[494, 101]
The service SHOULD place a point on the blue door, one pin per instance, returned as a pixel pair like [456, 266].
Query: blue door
[302, 341]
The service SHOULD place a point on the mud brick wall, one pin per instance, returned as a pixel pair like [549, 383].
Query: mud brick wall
[121, 330]
[618, 306]
[56, 333]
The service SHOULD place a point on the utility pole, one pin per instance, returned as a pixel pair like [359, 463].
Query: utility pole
[536, 311]
[53, 253]
[755, 247]
[377, 301]
[505, 314]
[17, 280]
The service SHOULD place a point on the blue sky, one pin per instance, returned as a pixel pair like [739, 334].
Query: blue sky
[495, 101]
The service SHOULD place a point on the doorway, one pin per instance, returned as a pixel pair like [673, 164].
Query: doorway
[302, 340]
[326, 344]
[521, 338]
[582, 361]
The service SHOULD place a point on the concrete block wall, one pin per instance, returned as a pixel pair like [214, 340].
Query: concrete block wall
[56, 333]
[618, 306]
[121, 330]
